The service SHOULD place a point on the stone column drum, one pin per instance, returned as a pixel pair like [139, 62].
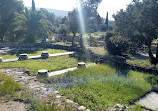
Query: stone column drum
[23, 56]
[42, 73]
[81, 64]
[44, 55]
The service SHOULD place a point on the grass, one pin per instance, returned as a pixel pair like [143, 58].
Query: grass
[100, 87]
[51, 64]
[8, 87]
[143, 63]
[30, 53]
[98, 50]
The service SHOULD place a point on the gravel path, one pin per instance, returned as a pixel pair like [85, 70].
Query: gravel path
[149, 101]
[12, 106]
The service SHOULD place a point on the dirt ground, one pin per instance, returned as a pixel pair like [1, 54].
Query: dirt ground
[13, 106]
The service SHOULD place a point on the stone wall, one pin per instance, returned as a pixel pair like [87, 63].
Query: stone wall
[17, 44]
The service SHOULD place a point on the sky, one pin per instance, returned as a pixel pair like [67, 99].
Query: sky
[112, 6]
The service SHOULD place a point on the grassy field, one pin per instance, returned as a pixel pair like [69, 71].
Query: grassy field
[143, 63]
[30, 53]
[98, 50]
[51, 64]
[99, 87]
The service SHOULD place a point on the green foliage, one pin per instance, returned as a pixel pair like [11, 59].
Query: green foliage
[8, 87]
[136, 108]
[106, 93]
[63, 31]
[116, 45]
[139, 22]
[51, 64]
[143, 63]
[73, 24]
[42, 106]
[102, 86]
[33, 6]
[8, 8]
[32, 25]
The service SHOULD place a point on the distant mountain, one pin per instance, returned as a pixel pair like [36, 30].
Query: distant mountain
[60, 13]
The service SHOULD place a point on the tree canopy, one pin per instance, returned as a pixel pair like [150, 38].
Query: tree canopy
[139, 22]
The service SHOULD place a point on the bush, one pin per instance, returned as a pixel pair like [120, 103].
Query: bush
[116, 45]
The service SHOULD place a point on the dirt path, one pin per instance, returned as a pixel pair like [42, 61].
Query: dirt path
[13, 106]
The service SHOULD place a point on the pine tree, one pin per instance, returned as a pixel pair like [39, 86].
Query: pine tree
[33, 5]
[107, 21]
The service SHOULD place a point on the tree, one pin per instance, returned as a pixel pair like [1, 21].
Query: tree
[139, 23]
[33, 5]
[8, 8]
[73, 24]
[33, 24]
[107, 20]
[91, 17]
[62, 31]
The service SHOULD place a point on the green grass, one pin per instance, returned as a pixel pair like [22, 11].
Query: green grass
[30, 53]
[144, 63]
[8, 87]
[51, 64]
[99, 87]
[98, 50]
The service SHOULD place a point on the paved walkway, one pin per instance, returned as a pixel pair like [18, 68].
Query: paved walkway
[61, 71]
[149, 101]
[66, 70]
[39, 56]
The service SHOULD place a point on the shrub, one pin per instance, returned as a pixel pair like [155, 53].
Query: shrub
[116, 45]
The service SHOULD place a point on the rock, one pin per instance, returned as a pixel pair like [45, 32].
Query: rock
[42, 73]
[1, 59]
[58, 97]
[118, 107]
[69, 101]
[82, 108]
[23, 56]
[81, 64]
[87, 110]
[44, 55]
[56, 92]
